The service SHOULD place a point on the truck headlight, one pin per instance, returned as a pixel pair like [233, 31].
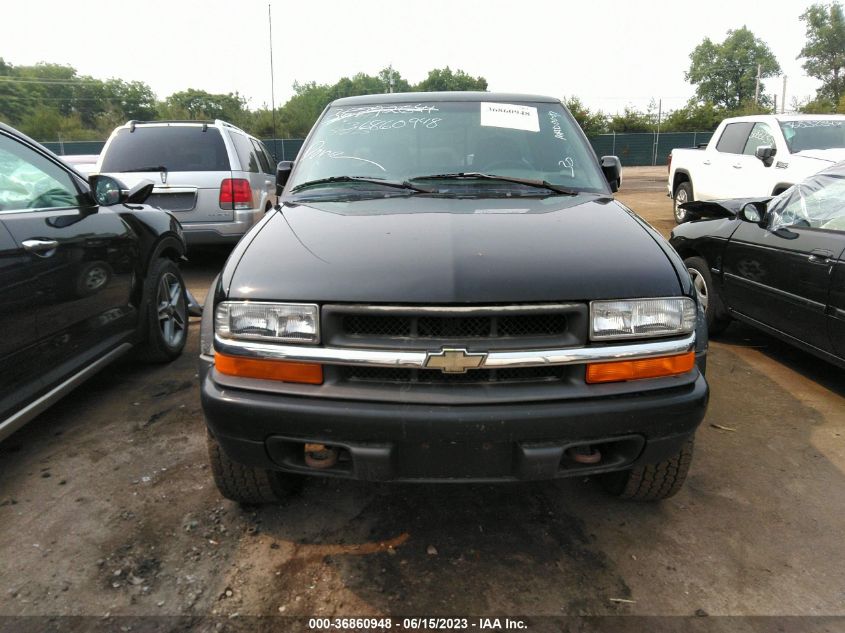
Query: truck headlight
[641, 318]
[265, 321]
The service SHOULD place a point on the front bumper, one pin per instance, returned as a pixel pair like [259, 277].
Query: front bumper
[417, 442]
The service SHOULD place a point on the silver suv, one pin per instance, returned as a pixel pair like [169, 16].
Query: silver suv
[214, 177]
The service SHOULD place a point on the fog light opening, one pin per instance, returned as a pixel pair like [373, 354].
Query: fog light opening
[584, 454]
[320, 456]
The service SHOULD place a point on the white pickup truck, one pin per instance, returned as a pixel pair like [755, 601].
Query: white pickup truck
[755, 156]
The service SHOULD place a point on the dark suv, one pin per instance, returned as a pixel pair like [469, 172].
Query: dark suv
[87, 273]
[449, 292]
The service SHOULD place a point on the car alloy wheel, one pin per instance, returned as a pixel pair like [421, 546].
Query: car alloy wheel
[680, 198]
[700, 286]
[96, 278]
[171, 309]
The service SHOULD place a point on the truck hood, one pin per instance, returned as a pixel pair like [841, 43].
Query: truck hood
[451, 251]
[833, 155]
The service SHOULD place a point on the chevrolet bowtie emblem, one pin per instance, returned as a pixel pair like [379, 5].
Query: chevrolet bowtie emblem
[454, 361]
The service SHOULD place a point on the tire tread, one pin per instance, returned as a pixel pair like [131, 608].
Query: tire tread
[241, 483]
[652, 482]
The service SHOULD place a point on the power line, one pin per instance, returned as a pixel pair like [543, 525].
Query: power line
[46, 81]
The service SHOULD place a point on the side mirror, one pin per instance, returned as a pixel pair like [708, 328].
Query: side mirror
[283, 170]
[766, 153]
[754, 212]
[612, 168]
[140, 192]
[108, 191]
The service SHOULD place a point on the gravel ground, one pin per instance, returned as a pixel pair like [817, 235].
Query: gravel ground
[107, 507]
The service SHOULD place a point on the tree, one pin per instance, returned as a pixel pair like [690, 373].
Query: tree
[694, 117]
[134, 99]
[443, 79]
[632, 120]
[724, 74]
[14, 99]
[299, 113]
[824, 51]
[399, 84]
[199, 104]
[593, 123]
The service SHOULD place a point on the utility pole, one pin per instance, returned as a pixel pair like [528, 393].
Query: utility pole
[390, 85]
[757, 86]
[783, 97]
[272, 84]
[657, 136]
[776, 105]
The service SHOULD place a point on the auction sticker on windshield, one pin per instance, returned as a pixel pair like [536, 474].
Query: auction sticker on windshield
[508, 115]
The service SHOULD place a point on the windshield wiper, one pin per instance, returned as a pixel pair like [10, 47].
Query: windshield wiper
[375, 181]
[530, 182]
[150, 168]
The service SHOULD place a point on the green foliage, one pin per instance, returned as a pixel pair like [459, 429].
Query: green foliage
[199, 104]
[824, 51]
[694, 117]
[296, 117]
[819, 105]
[724, 74]
[443, 79]
[48, 101]
[51, 100]
[593, 123]
[632, 120]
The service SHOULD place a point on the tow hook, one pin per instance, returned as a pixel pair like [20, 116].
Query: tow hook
[584, 454]
[320, 456]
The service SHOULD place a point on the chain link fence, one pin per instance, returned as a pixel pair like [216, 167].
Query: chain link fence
[633, 149]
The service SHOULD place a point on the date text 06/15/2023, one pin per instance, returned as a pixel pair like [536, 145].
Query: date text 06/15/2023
[415, 624]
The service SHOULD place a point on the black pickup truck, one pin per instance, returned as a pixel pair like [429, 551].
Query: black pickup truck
[448, 291]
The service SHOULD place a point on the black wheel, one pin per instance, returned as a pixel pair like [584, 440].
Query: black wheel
[245, 484]
[651, 482]
[708, 295]
[166, 313]
[683, 193]
[92, 278]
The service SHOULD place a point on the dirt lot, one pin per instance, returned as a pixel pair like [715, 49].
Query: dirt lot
[107, 507]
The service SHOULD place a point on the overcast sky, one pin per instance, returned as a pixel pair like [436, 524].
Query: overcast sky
[611, 53]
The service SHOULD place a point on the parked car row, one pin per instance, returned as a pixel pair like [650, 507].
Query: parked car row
[441, 288]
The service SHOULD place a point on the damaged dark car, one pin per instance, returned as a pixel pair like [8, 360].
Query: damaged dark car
[777, 264]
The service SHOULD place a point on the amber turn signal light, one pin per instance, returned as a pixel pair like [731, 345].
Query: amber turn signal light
[617, 371]
[286, 371]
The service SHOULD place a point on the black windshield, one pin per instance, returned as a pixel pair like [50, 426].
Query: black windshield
[179, 148]
[531, 141]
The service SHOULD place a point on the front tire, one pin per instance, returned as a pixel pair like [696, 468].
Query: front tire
[708, 295]
[245, 484]
[683, 193]
[166, 313]
[652, 482]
